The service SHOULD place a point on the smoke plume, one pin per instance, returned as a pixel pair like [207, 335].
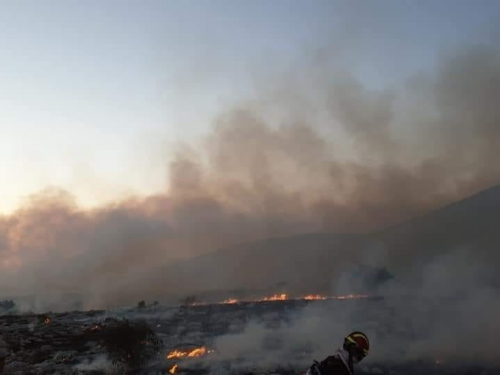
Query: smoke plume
[319, 152]
[450, 317]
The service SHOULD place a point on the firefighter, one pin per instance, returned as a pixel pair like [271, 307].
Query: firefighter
[355, 348]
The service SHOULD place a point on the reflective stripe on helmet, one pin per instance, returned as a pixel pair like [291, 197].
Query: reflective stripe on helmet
[359, 335]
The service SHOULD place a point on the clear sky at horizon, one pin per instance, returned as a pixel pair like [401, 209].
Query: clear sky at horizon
[91, 92]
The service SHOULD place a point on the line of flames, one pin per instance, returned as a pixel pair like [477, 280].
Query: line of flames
[189, 354]
[178, 354]
[285, 297]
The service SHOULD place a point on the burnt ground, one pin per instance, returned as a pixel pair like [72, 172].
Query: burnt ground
[74, 342]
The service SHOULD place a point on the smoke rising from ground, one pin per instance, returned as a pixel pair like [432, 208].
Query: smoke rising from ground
[323, 154]
[100, 363]
[451, 317]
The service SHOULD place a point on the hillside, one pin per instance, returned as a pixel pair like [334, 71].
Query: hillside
[296, 264]
[311, 262]
[473, 223]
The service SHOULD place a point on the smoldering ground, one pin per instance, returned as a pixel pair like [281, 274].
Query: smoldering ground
[323, 154]
[449, 318]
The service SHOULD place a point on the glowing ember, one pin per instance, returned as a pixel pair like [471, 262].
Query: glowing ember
[314, 297]
[189, 354]
[285, 297]
[173, 370]
[276, 297]
[176, 354]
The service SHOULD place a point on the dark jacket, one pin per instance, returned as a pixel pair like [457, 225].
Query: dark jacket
[332, 365]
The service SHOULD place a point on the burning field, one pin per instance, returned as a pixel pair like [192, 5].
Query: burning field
[283, 297]
[270, 208]
[276, 334]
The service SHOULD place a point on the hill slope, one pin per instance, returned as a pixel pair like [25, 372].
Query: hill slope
[473, 222]
[309, 262]
[297, 264]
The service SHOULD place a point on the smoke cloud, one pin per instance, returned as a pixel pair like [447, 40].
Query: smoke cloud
[319, 152]
[449, 316]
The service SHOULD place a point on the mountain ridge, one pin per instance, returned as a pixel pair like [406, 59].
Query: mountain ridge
[311, 262]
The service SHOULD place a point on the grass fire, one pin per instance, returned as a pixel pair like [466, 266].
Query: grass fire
[197, 352]
[282, 297]
[250, 187]
[173, 369]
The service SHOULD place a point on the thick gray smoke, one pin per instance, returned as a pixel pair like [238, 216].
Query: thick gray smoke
[326, 155]
[451, 316]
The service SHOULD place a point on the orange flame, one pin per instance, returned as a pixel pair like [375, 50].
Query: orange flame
[230, 301]
[285, 297]
[314, 297]
[275, 297]
[173, 370]
[189, 354]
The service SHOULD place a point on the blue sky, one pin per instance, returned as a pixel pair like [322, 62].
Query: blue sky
[93, 92]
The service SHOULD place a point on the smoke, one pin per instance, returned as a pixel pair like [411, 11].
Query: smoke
[450, 316]
[323, 154]
[98, 363]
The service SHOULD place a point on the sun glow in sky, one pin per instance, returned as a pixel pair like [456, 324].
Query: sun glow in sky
[93, 94]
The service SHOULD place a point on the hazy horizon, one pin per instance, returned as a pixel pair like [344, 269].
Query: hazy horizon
[137, 134]
[95, 97]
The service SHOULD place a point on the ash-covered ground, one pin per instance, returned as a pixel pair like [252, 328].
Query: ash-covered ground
[278, 337]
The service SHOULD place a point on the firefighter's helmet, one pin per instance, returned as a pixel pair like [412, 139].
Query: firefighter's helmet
[357, 344]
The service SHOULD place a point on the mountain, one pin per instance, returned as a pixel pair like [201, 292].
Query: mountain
[473, 222]
[298, 265]
[311, 262]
